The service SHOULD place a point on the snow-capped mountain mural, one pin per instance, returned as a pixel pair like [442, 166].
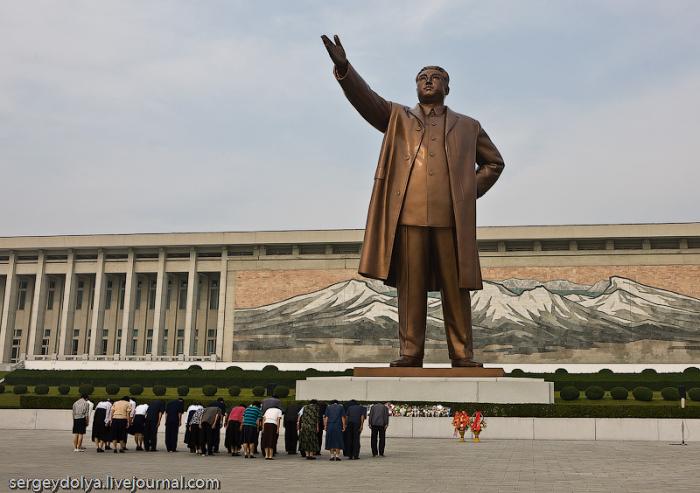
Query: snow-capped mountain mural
[616, 319]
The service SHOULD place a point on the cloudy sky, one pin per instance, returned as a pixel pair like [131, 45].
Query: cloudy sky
[150, 116]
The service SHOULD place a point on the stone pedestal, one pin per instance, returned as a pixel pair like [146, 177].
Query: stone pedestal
[428, 384]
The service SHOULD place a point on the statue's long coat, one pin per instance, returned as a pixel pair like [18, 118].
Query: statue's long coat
[474, 166]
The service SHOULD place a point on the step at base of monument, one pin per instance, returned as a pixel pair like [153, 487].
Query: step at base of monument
[502, 390]
[427, 372]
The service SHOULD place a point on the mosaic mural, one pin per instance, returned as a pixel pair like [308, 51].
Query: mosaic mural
[615, 320]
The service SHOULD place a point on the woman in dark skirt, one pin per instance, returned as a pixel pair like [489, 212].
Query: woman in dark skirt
[188, 420]
[233, 439]
[101, 435]
[334, 421]
[271, 424]
[138, 425]
[308, 430]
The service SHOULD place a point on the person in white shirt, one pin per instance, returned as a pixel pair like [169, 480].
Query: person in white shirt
[100, 431]
[138, 425]
[192, 432]
[271, 423]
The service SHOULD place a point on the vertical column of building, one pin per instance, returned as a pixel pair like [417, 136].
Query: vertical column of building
[159, 312]
[9, 307]
[128, 314]
[191, 308]
[221, 315]
[229, 281]
[98, 303]
[36, 322]
[68, 308]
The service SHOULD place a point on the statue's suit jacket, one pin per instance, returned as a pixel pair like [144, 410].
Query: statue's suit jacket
[474, 166]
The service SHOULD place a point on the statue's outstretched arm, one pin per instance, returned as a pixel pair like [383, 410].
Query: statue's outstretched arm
[373, 108]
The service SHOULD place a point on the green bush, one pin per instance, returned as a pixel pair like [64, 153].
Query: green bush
[643, 394]
[281, 391]
[649, 371]
[159, 390]
[692, 370]
[694, 394]
[136, 389]
[19, 389]
[234, 368]
[670, 394]
[170, 378]
[517, 372]
[86, 388]
[595, 393]
[234, 391]
[112, 389]
[270, 368]
[209, 390]
[183, 390]
[561, 371]
[605, 371]
[258, 391]
[619, 393]
[64, 389]
[569, 393]
[41, 389]
[194, 368]
[2, 389]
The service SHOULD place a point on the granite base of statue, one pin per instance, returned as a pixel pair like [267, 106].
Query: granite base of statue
[439, 385]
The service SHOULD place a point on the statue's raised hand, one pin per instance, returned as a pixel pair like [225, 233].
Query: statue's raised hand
[336, 52]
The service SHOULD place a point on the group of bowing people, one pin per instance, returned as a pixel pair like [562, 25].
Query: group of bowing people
[248, 429]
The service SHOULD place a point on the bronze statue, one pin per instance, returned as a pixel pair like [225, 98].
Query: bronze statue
[421, 224]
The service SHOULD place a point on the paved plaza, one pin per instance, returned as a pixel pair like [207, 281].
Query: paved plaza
[411, 465]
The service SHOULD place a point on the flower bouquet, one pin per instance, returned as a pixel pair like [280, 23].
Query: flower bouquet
[476, 424]
[460, 421]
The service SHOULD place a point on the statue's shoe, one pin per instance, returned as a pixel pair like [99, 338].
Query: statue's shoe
[407, 361]
[465, 363]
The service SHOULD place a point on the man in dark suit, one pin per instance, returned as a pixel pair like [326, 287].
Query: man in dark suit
[421, 224]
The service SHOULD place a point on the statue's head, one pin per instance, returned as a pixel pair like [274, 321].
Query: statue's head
[432, 84]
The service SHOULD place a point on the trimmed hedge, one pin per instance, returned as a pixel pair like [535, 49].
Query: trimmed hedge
[605, 371]
[595, 393]
[694, 394]
[159, 390]
[281, 391]
[258, 391]
[517, 372]
[692, 370]
[643, 394]
[86, 388]
[569, 393]
[19, 389]
[183, 390]
[649, 371]
[209, 390]
[489, 410]
[136, 389]
[41, 389]
[234, 391]
[112, 389]
[670, 394]
[619, 393]
[561, 371]
[64, 389]
[170, 378]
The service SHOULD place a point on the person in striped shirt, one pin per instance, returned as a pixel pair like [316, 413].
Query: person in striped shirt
[250, 427]
[81, 415]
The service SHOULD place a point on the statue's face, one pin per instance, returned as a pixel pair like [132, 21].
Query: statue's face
[431, 86]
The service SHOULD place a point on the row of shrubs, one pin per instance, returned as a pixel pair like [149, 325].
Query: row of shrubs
[690, 371]
[195, 377]
[280, 391]
[596, 393]
[488, 409]
[607, 379]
